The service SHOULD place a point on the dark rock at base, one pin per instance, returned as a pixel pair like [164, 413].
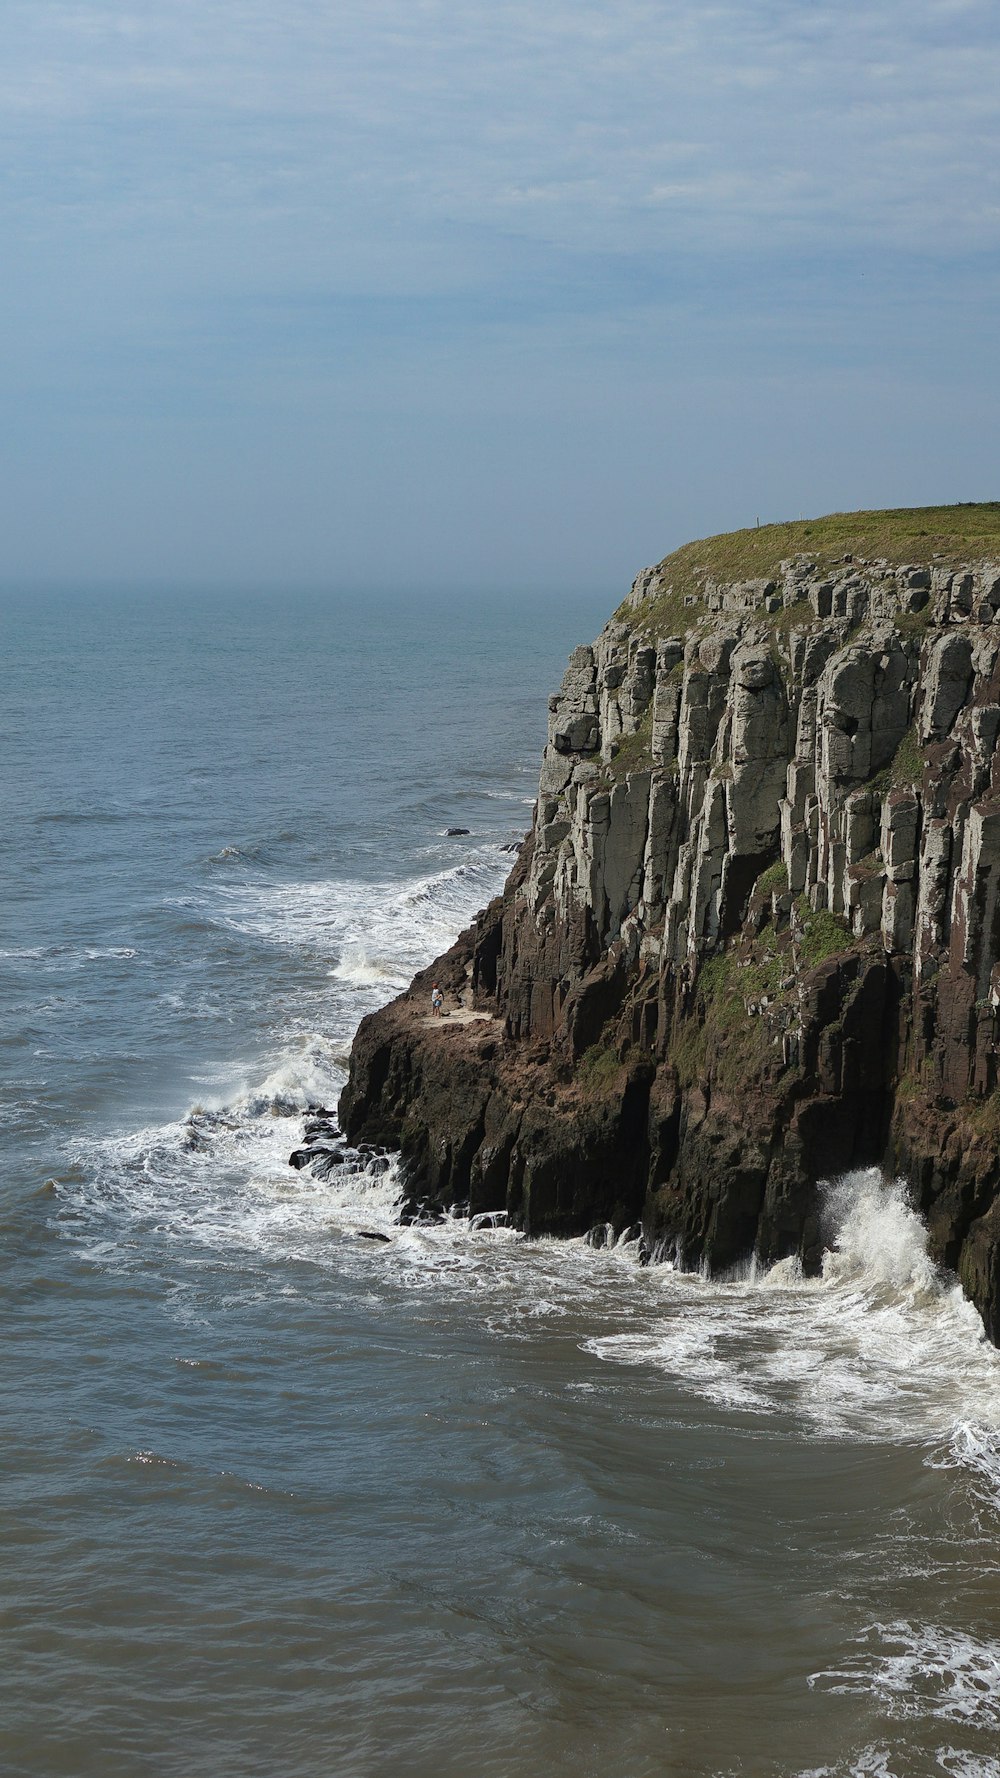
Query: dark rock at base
[601, 1235]
[321, 1158]
[453, 832]
[326, 1128]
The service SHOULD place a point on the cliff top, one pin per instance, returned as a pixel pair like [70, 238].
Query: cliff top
[938, 537]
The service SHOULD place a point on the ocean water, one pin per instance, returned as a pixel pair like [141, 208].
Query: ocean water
[283, 1502]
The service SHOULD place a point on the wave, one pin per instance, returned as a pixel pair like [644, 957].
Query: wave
[882, 1344]
[920, 1670]
[881, 1347]
[233, 855]
[80, 817]
[883, 1762]
[220, 1175]
[68, 953]
[309, 1077]
[372, 935]
[219, 1179]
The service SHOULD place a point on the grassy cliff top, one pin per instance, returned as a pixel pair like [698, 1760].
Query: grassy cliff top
[921, 535]
[917, 534]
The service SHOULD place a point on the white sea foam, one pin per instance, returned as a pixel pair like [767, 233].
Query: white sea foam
[958, 1764]
[311, 1074]
[372, 936]
[67, 954]
[220, 1182]
[882, 1762]
[881, 1345]
[922, 1670]
[401, 918]
[867, 1762]
[221, 1176]
[975, 1451]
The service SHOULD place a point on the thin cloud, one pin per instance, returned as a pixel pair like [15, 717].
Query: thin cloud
[459, 110]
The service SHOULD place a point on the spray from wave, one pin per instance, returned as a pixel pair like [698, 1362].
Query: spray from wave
[372, 936]
[881, 1345]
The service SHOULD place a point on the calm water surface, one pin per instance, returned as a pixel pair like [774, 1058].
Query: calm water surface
[280, 1501]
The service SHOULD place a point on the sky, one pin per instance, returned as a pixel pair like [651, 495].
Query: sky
[482, 293]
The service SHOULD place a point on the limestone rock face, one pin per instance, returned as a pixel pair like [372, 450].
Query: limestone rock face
[754, 938]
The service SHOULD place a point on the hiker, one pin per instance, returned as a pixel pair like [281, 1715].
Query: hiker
[437, 1001]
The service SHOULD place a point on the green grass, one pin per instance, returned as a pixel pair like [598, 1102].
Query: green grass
[906, 768]
[983, 1118]
[762, 979]
[635, 751]
[721, 1037]
[871, 865]
[915, 623]
[908, 761]
[597, 1070]
[823, 934]
[729, 1036]
[775, 878]
[948, 535]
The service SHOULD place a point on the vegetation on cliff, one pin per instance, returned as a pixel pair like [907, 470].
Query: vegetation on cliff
[945, 536]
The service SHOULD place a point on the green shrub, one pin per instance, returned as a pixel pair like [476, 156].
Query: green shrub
[823, 934]
[597, 1069]
[634, 752]
[908, 761]
[774, 879]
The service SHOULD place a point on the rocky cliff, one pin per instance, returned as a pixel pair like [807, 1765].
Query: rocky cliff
[753, 938]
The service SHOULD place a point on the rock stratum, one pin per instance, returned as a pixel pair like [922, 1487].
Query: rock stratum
[753, 937]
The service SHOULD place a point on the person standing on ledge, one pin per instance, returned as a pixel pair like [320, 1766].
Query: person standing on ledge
[437, 1001]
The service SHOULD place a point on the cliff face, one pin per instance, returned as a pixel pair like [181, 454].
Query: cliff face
[753, 938]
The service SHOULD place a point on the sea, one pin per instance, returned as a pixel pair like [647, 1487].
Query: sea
[283, 1501]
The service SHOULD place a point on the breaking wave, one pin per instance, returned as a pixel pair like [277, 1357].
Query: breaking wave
[372, 936]
[916, 1670]
[881, 1344]
[220, 1177]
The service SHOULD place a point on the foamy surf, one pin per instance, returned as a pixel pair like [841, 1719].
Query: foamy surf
[881, 1345]
[916, 1670]
[221, 1174]
[881, 1762]
[402, 924]
[922, 1673]
[220, 1182]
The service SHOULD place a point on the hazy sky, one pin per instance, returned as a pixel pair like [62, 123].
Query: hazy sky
[485, 292]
